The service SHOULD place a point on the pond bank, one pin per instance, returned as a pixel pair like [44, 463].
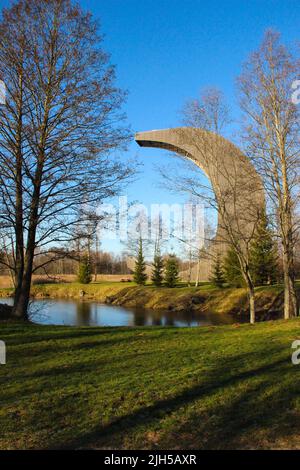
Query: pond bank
[199, 299]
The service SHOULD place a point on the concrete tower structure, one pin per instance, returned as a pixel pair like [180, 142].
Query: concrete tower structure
[237, 187]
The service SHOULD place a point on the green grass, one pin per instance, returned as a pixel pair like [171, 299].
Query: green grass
[162, 388]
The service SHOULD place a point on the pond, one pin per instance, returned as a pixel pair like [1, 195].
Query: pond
[90, 313]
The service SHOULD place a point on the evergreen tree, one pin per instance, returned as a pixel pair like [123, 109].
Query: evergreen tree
[139, 275]
[263, 255]
[217, 277]
[171, 271]
[84, 272]
[158, 268]
[232, 270]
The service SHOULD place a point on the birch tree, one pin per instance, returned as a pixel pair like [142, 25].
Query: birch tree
[239, 206]
[272, 140]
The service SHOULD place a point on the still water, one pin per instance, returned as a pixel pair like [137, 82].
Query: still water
[86, 313]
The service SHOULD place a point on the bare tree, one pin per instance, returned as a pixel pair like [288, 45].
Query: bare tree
[209, 112]
[240, 205]
[61, 122]
[272, 139]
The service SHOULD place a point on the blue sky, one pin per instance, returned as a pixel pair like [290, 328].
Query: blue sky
[167, 50]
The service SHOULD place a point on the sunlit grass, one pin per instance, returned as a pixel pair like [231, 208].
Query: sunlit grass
[212, 387]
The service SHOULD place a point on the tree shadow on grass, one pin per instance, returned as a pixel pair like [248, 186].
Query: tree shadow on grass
[75, 373]
[53, 348]
[226, 374]
[259, 417]
[73, 333]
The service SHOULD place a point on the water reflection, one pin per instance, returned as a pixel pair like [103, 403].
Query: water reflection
[84, 313]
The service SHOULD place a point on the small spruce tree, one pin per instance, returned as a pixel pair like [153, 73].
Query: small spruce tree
[232, 270]
[84, 272]
[139, 275]
[157, 269]
[171, 271]
[217, 278]
[263, 255]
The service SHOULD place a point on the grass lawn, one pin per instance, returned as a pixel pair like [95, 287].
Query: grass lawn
[162, 388]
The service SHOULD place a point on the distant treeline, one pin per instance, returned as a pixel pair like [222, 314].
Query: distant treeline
[102, 263]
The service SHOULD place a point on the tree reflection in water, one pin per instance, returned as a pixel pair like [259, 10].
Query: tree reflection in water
[88, 313]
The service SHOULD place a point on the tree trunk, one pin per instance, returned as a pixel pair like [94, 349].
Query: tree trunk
[97, 256]
[198, 271]
[19, 269]
[251, 291]
[19, 242]
[21, 302]
[190, 269]
[251, 295]
[290, 296]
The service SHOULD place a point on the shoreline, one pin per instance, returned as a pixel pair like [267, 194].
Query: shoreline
[205, 298]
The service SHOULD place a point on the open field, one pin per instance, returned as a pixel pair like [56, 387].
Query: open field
[162, 388]
[6, 281]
